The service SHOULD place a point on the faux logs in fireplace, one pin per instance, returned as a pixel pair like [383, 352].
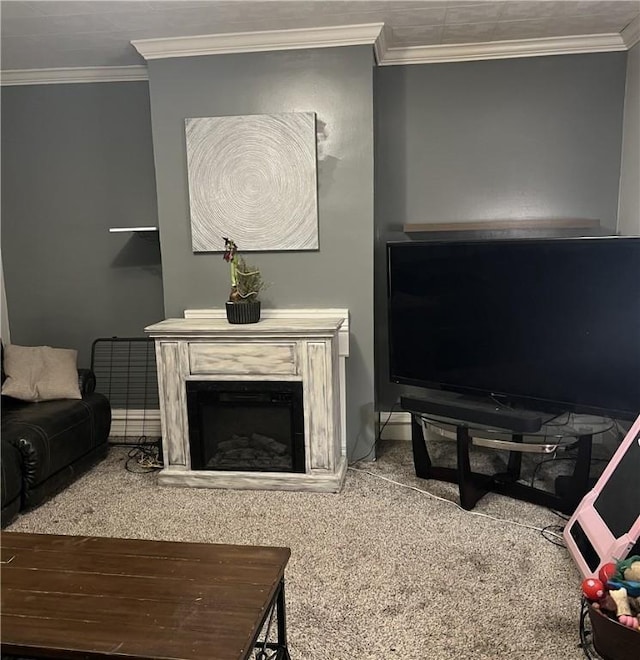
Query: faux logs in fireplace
[246, 426]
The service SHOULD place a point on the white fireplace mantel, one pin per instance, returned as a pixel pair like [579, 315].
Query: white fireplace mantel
[309, 347]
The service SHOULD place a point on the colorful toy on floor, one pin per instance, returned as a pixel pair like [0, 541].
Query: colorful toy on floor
[607, 572]
[616, 591]
[631, 568]
[627, 575]
[593, 589]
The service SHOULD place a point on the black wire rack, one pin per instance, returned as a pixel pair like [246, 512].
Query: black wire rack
[126, 373]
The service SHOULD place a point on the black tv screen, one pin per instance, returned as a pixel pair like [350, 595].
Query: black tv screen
[548, 324]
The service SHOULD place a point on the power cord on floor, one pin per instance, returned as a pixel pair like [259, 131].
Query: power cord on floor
[560, 515]
[556, 459]
[144, 456]
[545, 531]
[374, 446]
[553, 534]
[586, 642]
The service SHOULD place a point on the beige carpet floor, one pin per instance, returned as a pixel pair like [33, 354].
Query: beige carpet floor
[377, 571]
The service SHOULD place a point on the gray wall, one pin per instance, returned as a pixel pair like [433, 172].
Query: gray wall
[521, 138]
[76, 160]
[337, 85]
[508, 139]
[629, 208]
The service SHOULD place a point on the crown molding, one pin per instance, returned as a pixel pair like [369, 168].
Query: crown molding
[631, 34]
[251, 42]
[381, 43]
[73, 75]
[375, 34]
[495, 50]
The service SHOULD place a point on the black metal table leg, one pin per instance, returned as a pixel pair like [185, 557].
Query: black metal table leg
[283, 650]
[280, 647]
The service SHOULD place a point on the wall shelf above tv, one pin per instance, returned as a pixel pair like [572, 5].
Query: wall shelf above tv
[586, 224]
[118, 230]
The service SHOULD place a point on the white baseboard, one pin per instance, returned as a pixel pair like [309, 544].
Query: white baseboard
[398, 426]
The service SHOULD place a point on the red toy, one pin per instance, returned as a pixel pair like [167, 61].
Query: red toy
[593, 589]
[606, 572]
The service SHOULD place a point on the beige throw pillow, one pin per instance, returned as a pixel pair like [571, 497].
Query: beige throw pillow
[40, 373]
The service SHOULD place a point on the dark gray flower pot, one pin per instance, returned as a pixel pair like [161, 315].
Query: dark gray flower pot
[243, 312]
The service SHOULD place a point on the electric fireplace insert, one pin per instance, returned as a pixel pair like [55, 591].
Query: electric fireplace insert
[246, 426]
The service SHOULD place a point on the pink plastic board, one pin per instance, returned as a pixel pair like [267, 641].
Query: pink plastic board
[606, 524]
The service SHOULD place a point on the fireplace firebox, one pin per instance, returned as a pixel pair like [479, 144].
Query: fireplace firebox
[248, 426]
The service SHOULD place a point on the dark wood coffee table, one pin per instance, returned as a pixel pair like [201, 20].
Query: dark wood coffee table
[89, 597]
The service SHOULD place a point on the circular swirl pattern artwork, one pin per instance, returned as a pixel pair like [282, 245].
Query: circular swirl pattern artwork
[253, 178]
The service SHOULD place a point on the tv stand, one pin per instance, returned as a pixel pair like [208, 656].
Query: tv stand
[472, 419]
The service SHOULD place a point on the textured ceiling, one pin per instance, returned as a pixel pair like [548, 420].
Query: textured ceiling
[51, 34]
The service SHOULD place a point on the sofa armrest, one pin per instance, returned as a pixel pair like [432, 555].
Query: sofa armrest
[52, 435]
[86, 381]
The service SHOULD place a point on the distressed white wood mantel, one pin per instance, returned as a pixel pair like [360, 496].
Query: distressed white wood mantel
[306, 347]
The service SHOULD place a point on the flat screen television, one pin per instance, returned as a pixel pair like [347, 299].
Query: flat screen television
[546, 324]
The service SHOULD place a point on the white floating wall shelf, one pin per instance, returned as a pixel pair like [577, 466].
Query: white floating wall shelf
[117, 230]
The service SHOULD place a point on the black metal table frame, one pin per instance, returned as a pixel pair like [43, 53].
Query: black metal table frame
[473, 485]
[278, 608]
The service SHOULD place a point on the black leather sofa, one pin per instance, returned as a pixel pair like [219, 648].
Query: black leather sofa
[46, 445]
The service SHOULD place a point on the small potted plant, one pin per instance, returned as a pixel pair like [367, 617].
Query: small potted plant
[243, 305]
